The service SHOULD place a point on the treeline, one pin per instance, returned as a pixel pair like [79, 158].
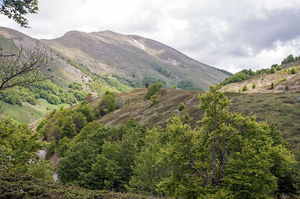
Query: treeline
[177, 161]
[246, 74]
[46, 90]
[188, 85]
[290, 59]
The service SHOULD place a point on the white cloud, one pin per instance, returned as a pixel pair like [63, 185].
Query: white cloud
[229, 34]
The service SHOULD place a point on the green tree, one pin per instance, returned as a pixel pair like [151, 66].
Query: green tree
[230, 155]
[79, 120]
[154, 88]
[273, 70]
[253, 85]
[272, 85]
[68, 129]
[278, 67]
[245, 88]
[63, 146]
[51, 148]
[17, 144]
[17, 9]
[106, 105]
[41, 170]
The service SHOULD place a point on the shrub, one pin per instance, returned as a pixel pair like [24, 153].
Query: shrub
[245, 88]
[272, 85]
[253, 86]
[31, 100]
[181, 107]
[154, 99]
[294, 70]
[152, 90]
[278, 67]
[273, 70]
[282, 80]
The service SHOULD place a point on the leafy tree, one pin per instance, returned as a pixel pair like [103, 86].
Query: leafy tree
[41, 170]
[68, 129]
[154, 88]
[51, 148]
[63, 146]
[253, 85]
[17, 9]
[24, 67]
[272, 85]
[230, 156]
[106, 105]
[245, 88]
[146, 85]
[278, 67]
[79, 120]
[17, 144]
[186, 85]
[273, 70]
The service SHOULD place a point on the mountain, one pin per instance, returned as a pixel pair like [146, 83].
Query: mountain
[134, 60]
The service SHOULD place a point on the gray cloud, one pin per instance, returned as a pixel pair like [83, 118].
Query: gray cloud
[227, 34]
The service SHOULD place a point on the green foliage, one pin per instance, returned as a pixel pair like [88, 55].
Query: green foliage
[17, 145]
[51, 148]
[272, 85]
[68, 129]
[181, 107]
[12, 183]
[186, 85]
[237, 77]
[273, 70]
[152, 80]
[289, 59]
[253, 85]
[154, 100]
[230, 155]
[160, 69]
[63, 146]
[111, 152]
[152, 90]
[17, 9]
[41, 170]
[294, 70]
[245, 88]
[278, 67]
[106, 105]
[282, 80]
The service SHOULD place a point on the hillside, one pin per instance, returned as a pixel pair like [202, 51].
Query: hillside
[280, 109]
[132, 58]
[263, 82]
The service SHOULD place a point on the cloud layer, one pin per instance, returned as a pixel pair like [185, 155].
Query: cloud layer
[230, 34]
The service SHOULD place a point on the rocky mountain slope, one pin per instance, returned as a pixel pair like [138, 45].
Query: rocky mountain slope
[134, 60]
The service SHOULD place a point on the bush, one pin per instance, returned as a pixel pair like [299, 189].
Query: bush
[282, 80]
[152, 90]
[253, 86]
[154, 99]
[245, 88]
[272, 85]
[278, 67]
[294, 70]
[273, 70]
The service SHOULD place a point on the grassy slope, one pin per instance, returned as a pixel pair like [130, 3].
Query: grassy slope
[282, 109]
[263, 83]
[30, 113]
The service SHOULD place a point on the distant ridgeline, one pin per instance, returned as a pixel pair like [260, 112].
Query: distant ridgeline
[246, 74]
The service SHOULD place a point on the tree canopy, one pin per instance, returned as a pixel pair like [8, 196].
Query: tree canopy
[17, 9]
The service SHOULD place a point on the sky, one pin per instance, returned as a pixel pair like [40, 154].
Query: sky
[227, 34]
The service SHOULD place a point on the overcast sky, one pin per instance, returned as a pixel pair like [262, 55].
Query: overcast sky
[228, 34]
